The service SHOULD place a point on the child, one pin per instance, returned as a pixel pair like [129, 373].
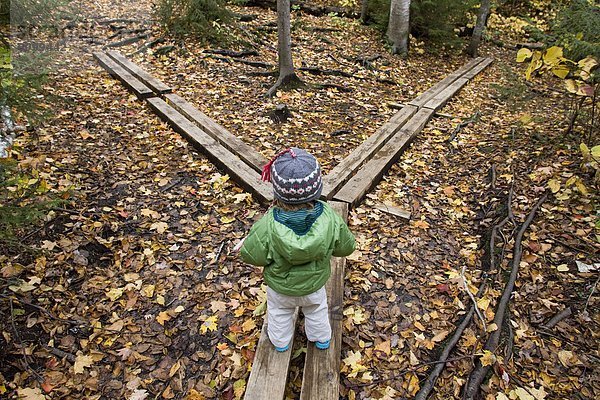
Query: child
[294, 241]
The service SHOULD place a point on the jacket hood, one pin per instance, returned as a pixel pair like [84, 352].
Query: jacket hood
[301, 249]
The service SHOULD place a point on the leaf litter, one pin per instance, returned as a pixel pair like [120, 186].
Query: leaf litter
[138, 294]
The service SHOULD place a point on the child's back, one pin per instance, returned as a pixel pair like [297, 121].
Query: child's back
[294, 241]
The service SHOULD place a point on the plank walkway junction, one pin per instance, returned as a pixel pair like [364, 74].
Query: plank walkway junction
[344, 187]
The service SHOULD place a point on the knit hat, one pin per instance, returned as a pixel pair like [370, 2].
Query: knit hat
[295, 175]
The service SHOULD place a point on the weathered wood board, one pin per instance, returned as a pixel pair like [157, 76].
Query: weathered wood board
[250, 180]
[427, 95]
[342, 172]
[234, 144]
[156, 85]
[117, 71]
[370, 174]
[321, 379]
[441, 98]
[269, 369]
[478, 68]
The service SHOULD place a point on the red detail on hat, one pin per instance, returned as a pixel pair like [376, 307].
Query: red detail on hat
[266, 171]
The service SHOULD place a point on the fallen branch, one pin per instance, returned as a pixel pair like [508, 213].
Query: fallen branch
[406, 371]
[462, 125]
[127, 41]
[231, 53]
[60, 353]
[479, 373]
[565, 313]
[429, 383]
[466, 285]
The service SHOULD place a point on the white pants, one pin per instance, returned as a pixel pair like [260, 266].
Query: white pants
[280, 316]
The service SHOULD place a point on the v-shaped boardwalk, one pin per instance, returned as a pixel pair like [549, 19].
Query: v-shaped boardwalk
[345, 186]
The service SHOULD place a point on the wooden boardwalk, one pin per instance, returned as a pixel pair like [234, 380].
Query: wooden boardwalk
[345, 186]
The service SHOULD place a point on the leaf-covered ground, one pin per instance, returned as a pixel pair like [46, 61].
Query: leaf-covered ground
[136, 292]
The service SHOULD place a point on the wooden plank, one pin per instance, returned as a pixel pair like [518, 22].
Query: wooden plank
[477, 69]
[427, 95]
[238, 170]
[370, 174]
[234, 144]
[342, 172]
[156, 85]
[321, 379]
[138, 88]
[269, 369]
[393, 210]
[440, 99]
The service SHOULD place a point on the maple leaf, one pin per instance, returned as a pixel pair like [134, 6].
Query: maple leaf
[82, 361]
[139, 394]
[217, 305]
[115, 293]
[159, 227]
[209, 325]
[125, 352]
[248, 325]
[31, 394]
[487, 358]
[148, 290]
[162, 317]
[239, 387]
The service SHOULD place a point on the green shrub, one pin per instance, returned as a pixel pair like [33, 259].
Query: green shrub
[202, 17]
[433, 20]
[577, 29]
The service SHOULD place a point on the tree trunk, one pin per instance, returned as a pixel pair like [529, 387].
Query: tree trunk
[482, 17]
[287, 76]
[364, 11]
[399, 26]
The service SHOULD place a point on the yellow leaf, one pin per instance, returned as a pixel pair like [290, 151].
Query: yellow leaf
[487, 358]
[174, 369]
[413, 385]
[554, 185]
[553, 55]
[179, 309]
[384, 347]
[562, 268]
[501, 396]
[561, 71]
[227, 220]
[492, 327]
[82, 362]
[440, 336]
[195, 395]
[419, 326]
[586, 65]
[525, 118]
[30, 394]
[571, 86]
[522, 394]
[239, 387]
[413, 359]
[114, 293]
[209, 325]
[595, 151]
[159, 227]
[248, 325]
[523, 54]
[162, 317]
[585, 151]
[148, 290]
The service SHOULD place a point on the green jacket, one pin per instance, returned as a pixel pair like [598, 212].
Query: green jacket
[297, 265]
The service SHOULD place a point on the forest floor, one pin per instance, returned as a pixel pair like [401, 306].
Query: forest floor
[136, 292]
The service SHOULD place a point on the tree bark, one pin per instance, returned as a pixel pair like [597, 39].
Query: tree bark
[364, 11]
[399, 26]
[482, 17]
[287, 75]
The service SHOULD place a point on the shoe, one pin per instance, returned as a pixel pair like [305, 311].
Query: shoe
[322, 345]
[282, 349]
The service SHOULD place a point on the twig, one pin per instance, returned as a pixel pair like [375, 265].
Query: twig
[463, 124]
[220, 251]
[479, 373]
[25, 360]
[60, 353]
[429, 383]
[466, 285]
[558, 317]
[591, 293]
[408, 370]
